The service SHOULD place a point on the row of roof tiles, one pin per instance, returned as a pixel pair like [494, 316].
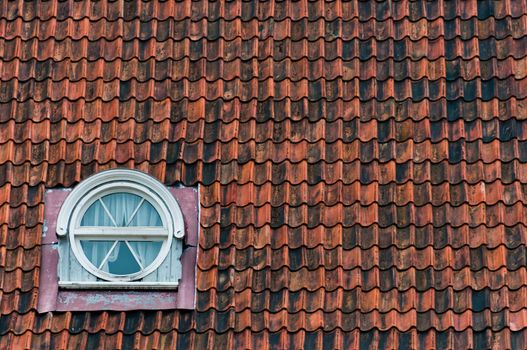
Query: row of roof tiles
[284, 278]
[335, 339]
[287, 194]
[262, 111]
[476, 259]
[245, 71]
[68, 174]
[304, 278]
[221, 322]
[330, 90]
[167, 29]
[366, 301]
[263, 10]
[300, 157]
[348, 215]
[278, 50]
[286, 131]
[354, 236]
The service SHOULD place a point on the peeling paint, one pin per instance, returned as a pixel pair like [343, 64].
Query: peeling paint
[116, 300]
[44, 228]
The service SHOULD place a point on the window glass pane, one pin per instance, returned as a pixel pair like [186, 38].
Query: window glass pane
[121, 206]
[96, 216]
[96, 251]
[124, 263]
[121, 260]
[147, 215]
[122, 209]
[146, 251]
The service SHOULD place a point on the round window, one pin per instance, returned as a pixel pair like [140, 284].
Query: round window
[122, 230]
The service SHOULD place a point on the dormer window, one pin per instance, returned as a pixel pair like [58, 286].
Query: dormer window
[117, 229]
[121, 230]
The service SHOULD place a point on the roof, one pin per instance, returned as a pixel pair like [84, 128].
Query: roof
[362, 165]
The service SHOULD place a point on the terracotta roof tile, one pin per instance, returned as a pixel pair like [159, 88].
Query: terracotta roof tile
[362, 165]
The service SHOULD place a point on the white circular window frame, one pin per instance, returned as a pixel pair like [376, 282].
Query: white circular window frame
[113, 181]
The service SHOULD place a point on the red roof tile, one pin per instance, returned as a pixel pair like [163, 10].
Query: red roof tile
[362, 165]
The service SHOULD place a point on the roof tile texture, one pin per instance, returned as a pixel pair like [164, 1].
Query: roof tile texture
[362, 165]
